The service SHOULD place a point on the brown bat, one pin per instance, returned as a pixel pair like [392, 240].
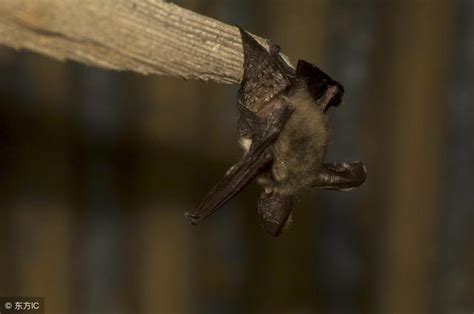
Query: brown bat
[283, 127]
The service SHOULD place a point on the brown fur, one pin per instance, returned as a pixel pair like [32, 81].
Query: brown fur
[300, 147]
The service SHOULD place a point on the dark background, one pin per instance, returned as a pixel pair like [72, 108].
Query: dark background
[98, 167]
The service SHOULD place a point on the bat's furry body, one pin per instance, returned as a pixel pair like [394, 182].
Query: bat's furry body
[283, 126]
[299, 149]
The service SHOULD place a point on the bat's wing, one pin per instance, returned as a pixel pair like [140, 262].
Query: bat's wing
[266, 74]
[250, 166]
[340, 176]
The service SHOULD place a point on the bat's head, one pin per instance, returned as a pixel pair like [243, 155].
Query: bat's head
[324, 90]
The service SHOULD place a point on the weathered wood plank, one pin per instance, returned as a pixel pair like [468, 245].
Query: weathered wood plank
[145, 36]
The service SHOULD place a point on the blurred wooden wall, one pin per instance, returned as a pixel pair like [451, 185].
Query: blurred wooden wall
[416, 56]
[455, 239]
[36, 188]
[97, 169]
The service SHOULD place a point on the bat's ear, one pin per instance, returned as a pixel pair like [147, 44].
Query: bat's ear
[318, 82]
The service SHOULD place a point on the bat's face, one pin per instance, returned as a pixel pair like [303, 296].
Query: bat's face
[284, 132]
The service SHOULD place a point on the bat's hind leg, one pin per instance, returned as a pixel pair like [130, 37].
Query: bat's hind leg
[275, 212]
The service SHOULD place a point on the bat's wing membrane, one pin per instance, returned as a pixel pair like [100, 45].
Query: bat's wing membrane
[251, 165]
[266, 74]
[235, 179]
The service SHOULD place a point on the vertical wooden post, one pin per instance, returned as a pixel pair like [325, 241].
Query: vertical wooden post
[43, 233]
[344, 268]
[455, 286]
[163, 259]
[417, 73]
[37, 217]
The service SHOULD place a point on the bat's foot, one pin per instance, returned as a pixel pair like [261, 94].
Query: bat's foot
[341, 176]
[193, 219]
[275, 212]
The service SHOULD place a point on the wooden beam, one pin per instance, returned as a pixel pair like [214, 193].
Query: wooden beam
[417, 61]
[144, 36]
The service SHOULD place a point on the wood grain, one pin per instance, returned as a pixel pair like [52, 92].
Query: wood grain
[144, 36]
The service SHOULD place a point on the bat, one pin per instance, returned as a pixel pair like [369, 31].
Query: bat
[283, 128]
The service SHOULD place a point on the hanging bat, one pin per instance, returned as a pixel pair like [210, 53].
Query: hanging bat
[283, 127]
